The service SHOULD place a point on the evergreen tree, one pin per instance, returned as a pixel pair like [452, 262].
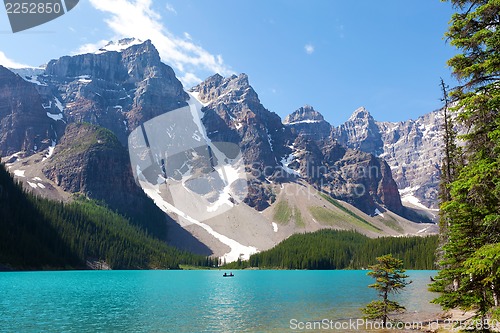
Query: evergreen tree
[340, 249]
[471, 202]
[484, 269]
[390, 278]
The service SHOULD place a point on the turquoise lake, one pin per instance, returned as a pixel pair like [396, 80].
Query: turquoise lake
[190, 301]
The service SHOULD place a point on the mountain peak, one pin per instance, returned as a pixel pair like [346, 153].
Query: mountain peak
[360, 113]
[361, 132]
[242, 79]
[304, 114]
[121, 45]
[232, 88]
[309, 123]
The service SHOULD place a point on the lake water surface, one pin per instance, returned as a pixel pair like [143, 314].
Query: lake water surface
[190, 301]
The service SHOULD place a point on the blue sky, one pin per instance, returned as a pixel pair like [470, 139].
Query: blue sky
[387, 56]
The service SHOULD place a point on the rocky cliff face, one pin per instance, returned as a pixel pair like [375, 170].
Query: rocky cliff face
[90, 160]
[308, 122]
[115, 90]
[356, 177]
[411, 148]
[299, 148]
[233, 113]
[24, 125]
[360, 132]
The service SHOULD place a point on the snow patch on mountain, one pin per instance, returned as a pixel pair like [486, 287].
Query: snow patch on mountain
[59, 105]
[269, 140]
[238, 250]
[378, 212]
[120, 45]
[50, 151]
[30, 74]
[307, 121]
[84, 79]
[286, 161]
[56, 117]
[19, 173]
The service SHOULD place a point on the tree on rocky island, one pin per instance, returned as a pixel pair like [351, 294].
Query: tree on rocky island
[390, 279]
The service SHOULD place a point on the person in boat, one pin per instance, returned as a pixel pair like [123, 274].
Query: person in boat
[225, 274]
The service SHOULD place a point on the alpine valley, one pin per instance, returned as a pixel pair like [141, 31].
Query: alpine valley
[65, 127]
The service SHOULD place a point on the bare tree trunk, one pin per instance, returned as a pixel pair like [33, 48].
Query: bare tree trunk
[495, 295]
[385, 309]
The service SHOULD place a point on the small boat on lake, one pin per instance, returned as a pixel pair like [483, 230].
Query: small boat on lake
[228, 275]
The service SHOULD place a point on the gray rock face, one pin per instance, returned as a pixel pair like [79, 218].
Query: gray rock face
[411, 148]
[89, 104]
[115, 90]
[359, 178]
[300, 147]
[24, 125]
[308, 122]
[233, 113]
[360, 132]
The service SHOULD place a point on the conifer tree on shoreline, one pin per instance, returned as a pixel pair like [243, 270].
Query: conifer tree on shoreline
[390, 279]
[470, 195]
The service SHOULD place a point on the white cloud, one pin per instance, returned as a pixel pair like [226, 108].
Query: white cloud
[6, 62]
[309, 48]
[137, 18]
[190, 79]
[170, 8]
[90, 47]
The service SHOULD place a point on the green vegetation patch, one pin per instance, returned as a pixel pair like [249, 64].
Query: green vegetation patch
[393, 224]
[326, 216]
[90, 137]
[299, 221]
[349, 212]
[282, 212]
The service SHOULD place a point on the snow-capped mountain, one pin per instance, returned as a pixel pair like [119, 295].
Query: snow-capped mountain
[66, 128]
[277, 151]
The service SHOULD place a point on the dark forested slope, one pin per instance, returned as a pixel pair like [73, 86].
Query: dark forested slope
[331, 249]
[37, 233]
